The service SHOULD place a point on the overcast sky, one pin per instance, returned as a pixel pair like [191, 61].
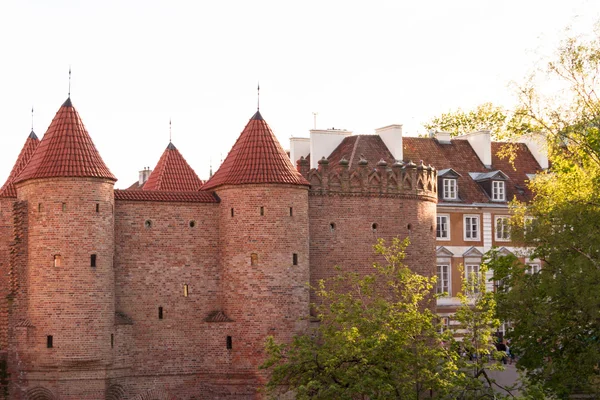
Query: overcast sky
[359, 65]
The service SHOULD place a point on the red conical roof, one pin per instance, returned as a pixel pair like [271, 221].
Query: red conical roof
[8, 190]
[172, 173]
[256, 157]
[66, 150]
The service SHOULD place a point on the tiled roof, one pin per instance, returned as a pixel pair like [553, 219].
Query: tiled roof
[8, 190]
[457, 155]
[66, 150]
[159, 196]
[460, 156]
[172, 173]
[368, 147]
[256, 157]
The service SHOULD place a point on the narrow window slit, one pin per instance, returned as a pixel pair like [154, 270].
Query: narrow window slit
[295, 259]
[93, 260]
[262, 211]
[229, 343]
[291, 211]
[97, 207]
[49, 341]
[160, 313]
[185, 290]
[112, 341]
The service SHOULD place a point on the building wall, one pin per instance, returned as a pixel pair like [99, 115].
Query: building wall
[6, 235]
[160, 247]
[349, 242]
[263, 291]
[70, 300]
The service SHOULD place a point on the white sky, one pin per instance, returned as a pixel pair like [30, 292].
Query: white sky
[360, 64]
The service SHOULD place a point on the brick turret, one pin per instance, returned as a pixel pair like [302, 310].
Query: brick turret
[264, 243]
[64, 291]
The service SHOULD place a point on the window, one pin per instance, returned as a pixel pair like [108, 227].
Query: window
[186, 290]
[112, 340]
[502, 228]
[444, 324]
[229, 343]
[160, 313]
[449, 189]
[473, 278]
[57, 260]
[295, 259]
[97, 207]
[443, 279]
[291, 212]
[49, 341]
[93, 260]
[532, 268]
[232, 213]
[442, 230]
[498, 193]
[262, 211]
[471, 227]
[254, 259]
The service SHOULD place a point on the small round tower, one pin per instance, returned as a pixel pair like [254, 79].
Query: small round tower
[264, 244]
[68, 280]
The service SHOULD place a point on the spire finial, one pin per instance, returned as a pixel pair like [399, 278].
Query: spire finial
[32, 118]
[69, 81]
[169, 130]
[258, 97]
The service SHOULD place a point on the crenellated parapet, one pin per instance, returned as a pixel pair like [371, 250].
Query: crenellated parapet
[399, 179]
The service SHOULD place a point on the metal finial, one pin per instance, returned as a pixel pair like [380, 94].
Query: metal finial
[69, 81]
[258, 97]
[315, 118]
[169, 130]
[32, 118]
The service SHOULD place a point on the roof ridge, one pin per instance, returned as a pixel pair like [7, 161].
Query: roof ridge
[31, 143]
[66, 150]
[172, 173]
[256, 157]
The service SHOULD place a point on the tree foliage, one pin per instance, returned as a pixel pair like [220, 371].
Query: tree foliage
[378, 338]
[484, 117]
[555, 314]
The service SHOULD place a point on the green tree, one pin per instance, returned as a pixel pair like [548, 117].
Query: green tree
[484, 117]
[555, 313]
[377, 339]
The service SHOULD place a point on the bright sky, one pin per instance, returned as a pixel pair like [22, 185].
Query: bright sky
[360, 64]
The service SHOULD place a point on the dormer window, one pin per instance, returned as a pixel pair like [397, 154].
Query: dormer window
[449, 189]
[448, 184]
[498, 192]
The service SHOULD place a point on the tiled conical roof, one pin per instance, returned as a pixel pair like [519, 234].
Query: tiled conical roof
[172, 173]
[256, 157]
[66, 150]
[8, 190]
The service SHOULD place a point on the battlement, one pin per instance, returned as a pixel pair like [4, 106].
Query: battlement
[399, 179]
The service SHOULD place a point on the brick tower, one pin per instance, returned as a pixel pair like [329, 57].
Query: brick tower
[63, 314]
[264, 243]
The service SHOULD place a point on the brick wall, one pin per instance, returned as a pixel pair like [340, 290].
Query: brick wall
[267, 296]
[6, 234]
[342, 232]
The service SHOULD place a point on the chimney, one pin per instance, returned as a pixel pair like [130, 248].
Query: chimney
[299, 147]
[144, 174]
[536, 143]
[443, 137]
[392, 137]
[323, 142]
[481, 142]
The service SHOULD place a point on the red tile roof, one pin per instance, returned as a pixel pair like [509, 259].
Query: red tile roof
[66, 150]
[8, 190]
[172, 173]
[256, 157]
[458, 155]
[158, 196]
